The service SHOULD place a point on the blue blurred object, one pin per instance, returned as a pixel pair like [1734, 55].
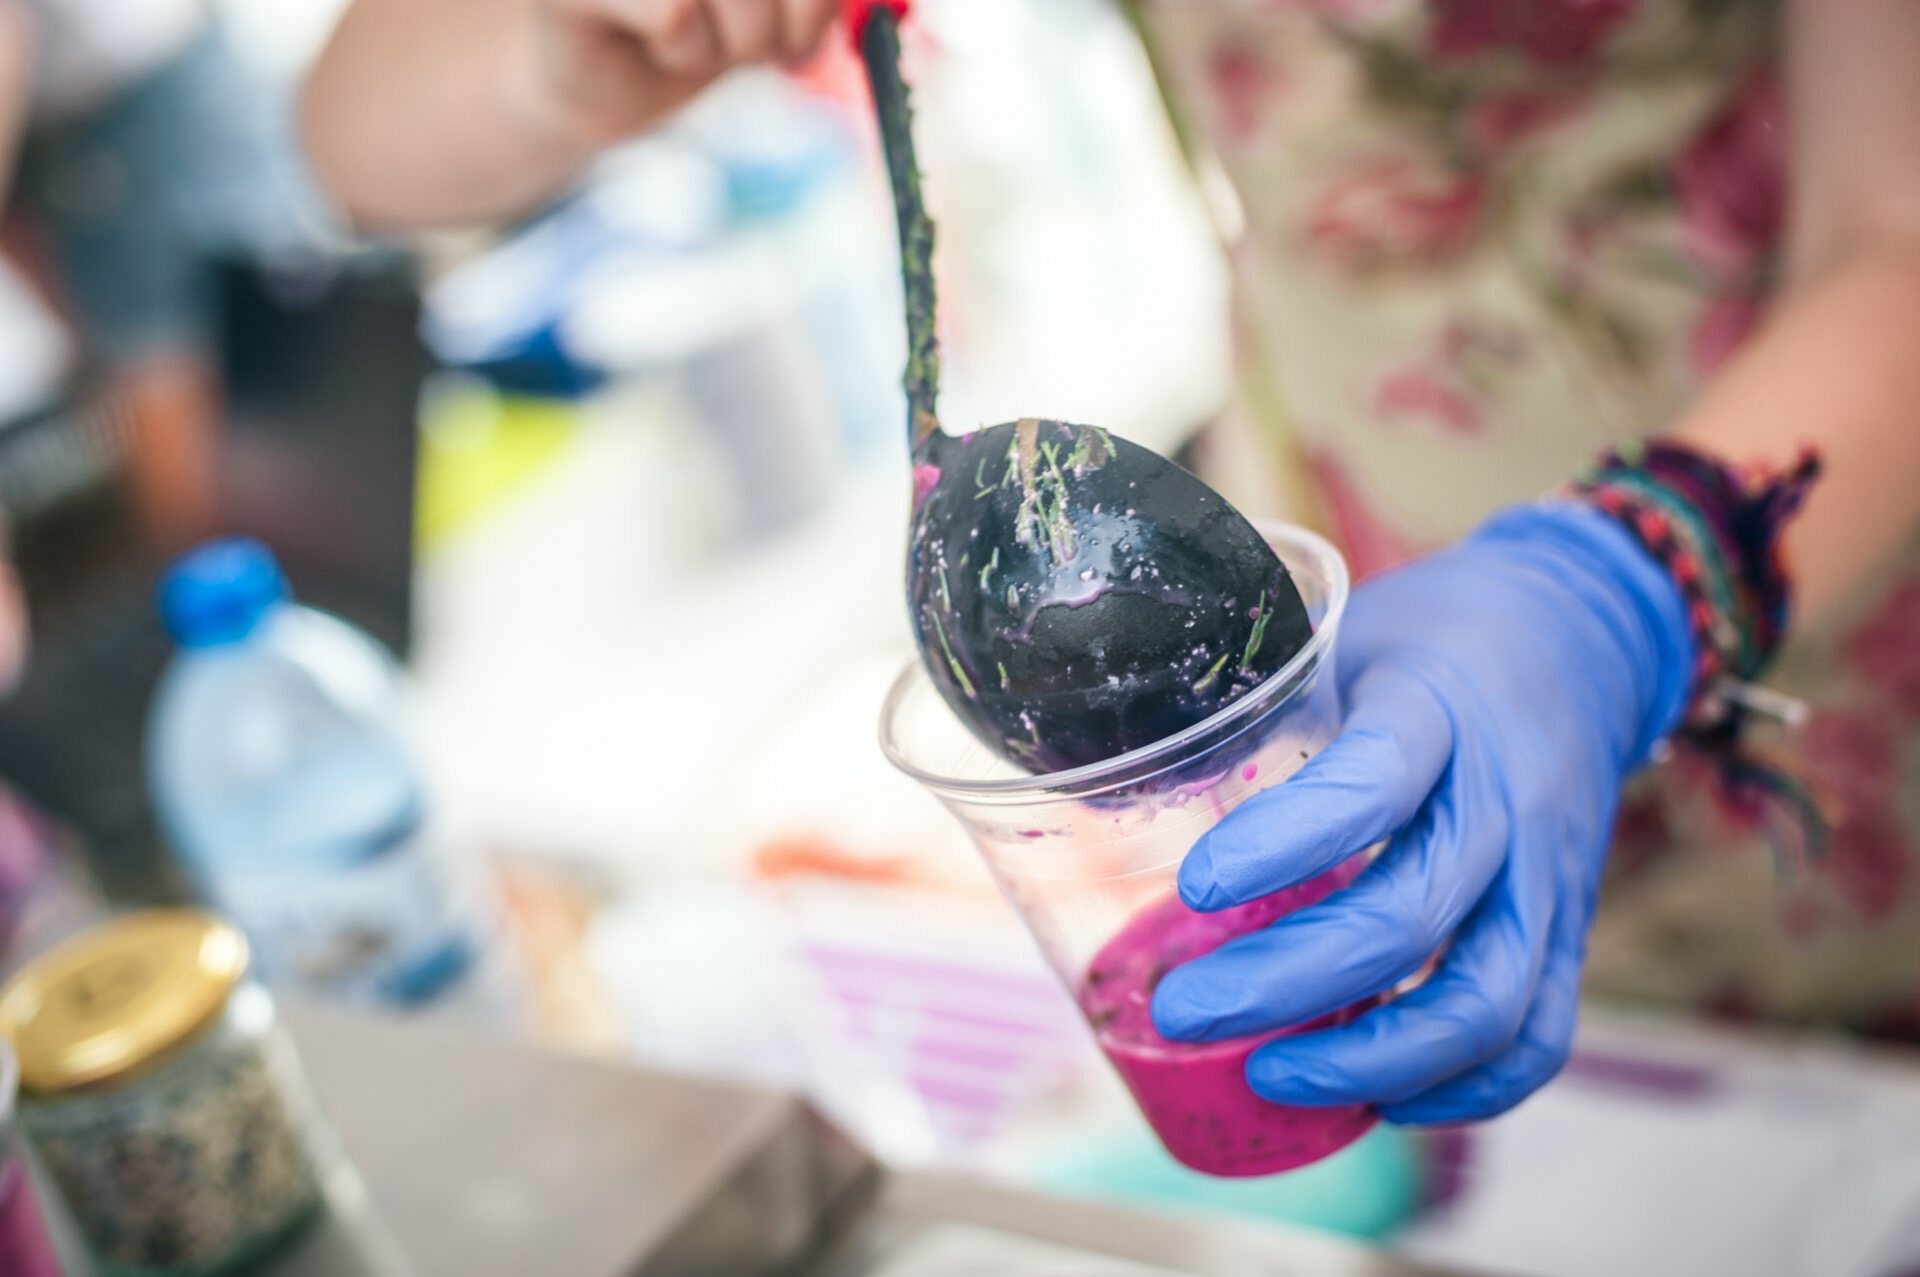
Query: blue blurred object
[738, 258]
[500, 314]
[771, 173]
[539, 368]
[1369, 1189]
[285, 786]
[796, 185]
[1496, 694]
[190, 162]
[219, 593]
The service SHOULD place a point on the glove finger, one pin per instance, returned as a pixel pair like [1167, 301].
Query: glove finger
[1573, 850]
[1359, 941]
[1358, 790]
[1536, 1056]
[1466, 1013]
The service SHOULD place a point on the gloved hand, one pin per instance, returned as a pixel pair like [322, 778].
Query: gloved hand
[1496, 696]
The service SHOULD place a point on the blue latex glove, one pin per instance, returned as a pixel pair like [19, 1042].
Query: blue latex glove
[1496, 695]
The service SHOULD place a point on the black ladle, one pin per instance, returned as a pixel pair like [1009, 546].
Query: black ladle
[1074, 596]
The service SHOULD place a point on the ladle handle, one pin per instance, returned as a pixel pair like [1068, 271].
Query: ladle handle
[876, 29]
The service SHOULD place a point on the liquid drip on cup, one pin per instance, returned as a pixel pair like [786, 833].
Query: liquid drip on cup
[1195, 1096]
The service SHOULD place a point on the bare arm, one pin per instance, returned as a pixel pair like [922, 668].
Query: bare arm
[1838, 362]
[455, 110]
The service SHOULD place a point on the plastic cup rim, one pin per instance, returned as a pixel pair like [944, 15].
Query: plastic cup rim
[1138, 764]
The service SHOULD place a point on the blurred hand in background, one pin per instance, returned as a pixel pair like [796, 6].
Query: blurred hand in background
[612, 63]
[426, 111]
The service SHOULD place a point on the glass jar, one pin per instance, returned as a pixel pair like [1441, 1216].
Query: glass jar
[25, 1248]
[162, 1098]
[1089, 858]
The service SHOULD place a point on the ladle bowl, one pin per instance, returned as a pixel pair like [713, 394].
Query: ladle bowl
[1077, 596]
[1074, 595]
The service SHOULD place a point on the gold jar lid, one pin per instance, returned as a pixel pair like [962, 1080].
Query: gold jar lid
[118, 996]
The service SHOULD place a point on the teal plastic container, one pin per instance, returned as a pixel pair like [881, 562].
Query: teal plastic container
[1368, 1190]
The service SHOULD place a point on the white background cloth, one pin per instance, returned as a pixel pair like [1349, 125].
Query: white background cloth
[1771, 1158]
[38, 351]
[90, 49]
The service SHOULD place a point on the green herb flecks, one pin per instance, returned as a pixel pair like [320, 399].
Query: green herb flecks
[1208, 679]
[960, 675]
[1042, 518]
[1261, 615]
[987, 572]
[1092, 448]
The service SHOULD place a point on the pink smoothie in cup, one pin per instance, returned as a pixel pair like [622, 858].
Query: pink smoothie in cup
[1196, 1096]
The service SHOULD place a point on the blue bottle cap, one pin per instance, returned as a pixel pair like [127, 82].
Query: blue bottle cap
[217, 593]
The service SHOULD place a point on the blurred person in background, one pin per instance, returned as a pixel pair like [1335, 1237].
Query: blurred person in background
[139, 147]
[136, 144]
[1478, 243]
[143, 146]
[1483, 239]
[424, 111]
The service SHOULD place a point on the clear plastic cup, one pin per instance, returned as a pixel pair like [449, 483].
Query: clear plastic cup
[1089, 856]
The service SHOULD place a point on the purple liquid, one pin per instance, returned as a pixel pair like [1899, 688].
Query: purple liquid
[1196, 1097]
[25, 1249]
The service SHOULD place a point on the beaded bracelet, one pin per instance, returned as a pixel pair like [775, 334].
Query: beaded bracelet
[1717, 532]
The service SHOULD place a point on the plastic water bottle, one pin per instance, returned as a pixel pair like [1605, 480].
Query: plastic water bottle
[285, 787]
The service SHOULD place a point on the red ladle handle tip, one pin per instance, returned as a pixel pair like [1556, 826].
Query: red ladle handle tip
[858, 11]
